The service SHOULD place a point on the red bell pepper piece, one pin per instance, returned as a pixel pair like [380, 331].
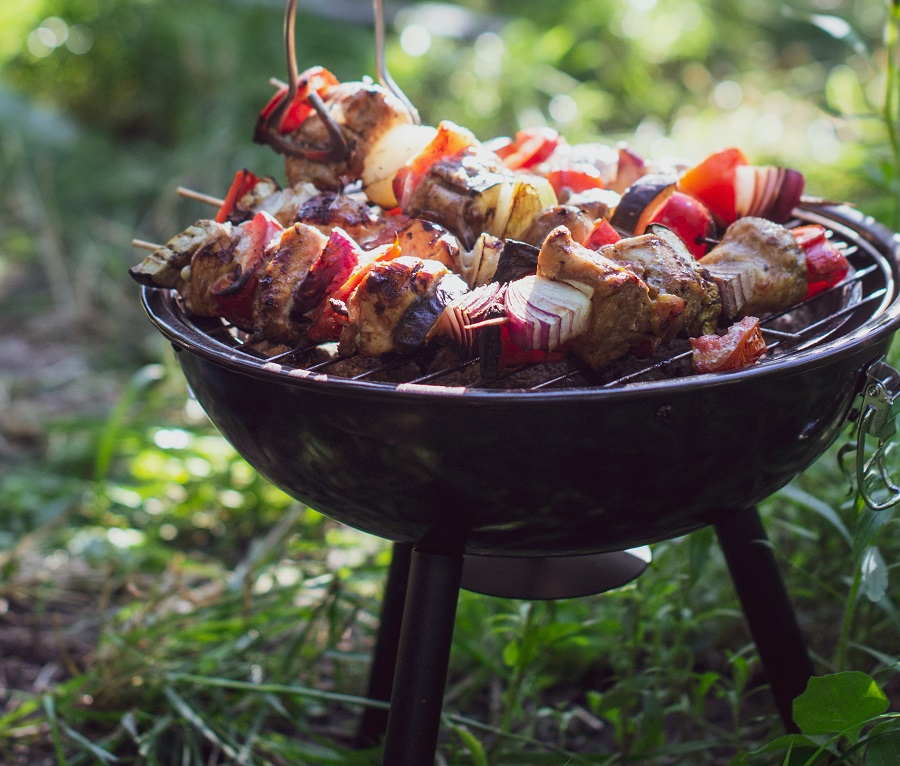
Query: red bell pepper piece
[576, 181]
[713, 182]
[825, 263]
[315, 79]
[243, 182]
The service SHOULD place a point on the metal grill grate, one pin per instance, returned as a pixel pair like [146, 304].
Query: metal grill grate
[865, 293]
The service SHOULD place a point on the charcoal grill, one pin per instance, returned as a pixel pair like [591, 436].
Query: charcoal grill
[566, 467]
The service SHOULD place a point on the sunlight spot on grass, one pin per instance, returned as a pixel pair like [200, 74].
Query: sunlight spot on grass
[231, 498]
[125, 538]
[168, 532]
[563, 108]
[127, 497]
[80, 39]
[728, 94]
[171, 438]
[415, 40]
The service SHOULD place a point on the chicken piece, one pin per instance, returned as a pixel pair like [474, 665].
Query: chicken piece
[274, 317]
[621, 309]
[380, 301]
[673, 277]
[575, 220]
[364, 112]
[759, 268]
[162, 267]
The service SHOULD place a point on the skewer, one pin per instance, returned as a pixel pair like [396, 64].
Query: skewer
[144, 244]
[199, 197]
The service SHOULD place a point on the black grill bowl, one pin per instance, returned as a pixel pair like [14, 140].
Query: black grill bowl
[542, 473]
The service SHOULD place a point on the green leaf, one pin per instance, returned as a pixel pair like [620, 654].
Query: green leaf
[838, 703]
[874, 574]
[884, 750]
[479, 757]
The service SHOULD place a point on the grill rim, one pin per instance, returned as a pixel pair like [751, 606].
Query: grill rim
[161, 307]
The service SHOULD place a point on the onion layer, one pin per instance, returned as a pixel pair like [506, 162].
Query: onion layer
[544, 314]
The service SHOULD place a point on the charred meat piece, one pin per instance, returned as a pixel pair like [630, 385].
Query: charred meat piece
[670, 274]
[364, 112]
[621, 308]
[329, 210]
[220, 279]
[419, 238]
[466, 193]
[759, 268]
[291, 258]
[380, 301]
[574, 219]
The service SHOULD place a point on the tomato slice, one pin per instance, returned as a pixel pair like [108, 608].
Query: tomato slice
[602, 234]
[530, 147]
[713, 182]
[576, 181]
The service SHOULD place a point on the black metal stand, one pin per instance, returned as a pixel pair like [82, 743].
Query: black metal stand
[423, 656]
[768, 610]
[373, 723]
[412, 653]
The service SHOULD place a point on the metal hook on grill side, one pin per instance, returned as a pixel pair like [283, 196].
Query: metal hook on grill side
[877, 418]
[384, 76]
[267, 130]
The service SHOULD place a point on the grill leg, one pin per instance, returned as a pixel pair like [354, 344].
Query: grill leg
[373, 723]
[769, 613]
[422, 659]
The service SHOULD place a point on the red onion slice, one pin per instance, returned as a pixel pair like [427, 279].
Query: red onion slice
[544, 314]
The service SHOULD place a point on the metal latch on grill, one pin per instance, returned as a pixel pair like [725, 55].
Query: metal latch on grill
[877, 420]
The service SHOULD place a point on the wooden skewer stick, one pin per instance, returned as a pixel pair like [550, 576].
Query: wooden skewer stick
[199, 197]
[144, 244]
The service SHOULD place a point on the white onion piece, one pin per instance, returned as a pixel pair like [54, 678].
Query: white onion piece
[544, 314]
[393, 150]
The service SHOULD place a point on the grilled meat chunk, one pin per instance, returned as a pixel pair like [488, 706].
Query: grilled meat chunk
[419, 238]
[673, 278]
[380, 301]
[364, 112]
[464, 194]
[274, 317]
[759, 268]
[162, 267]
[622, 312]
[329, 210]
[573, 218]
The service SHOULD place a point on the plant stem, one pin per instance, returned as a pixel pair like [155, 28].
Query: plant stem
[890, 123]
[847, 622]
